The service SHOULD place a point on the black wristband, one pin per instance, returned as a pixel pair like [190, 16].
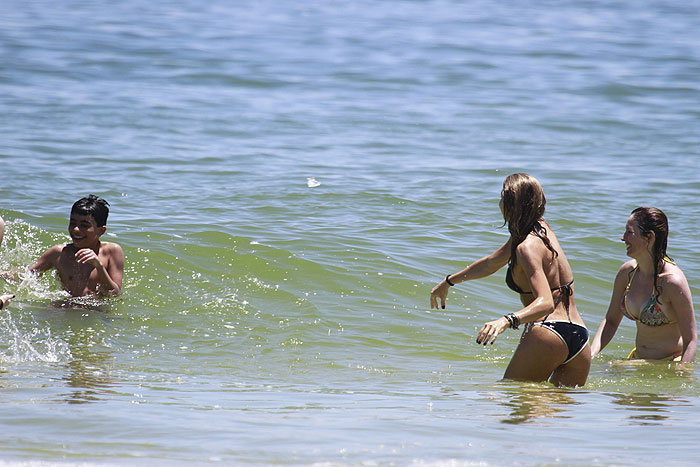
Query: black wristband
[509, 319]
[447, 279]
[513, 320]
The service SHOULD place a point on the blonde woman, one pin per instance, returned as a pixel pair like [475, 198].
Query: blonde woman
[554, 344]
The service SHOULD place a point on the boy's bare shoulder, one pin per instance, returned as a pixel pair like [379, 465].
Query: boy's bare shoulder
[111, 246]
[58, 249]
[112, 249]
[51, 258]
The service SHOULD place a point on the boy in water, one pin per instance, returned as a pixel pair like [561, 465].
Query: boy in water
[87, 265]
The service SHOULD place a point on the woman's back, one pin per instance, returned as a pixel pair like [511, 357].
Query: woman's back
[558, 271]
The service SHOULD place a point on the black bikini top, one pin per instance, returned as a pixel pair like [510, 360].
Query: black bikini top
[511, 283]
[565, 290]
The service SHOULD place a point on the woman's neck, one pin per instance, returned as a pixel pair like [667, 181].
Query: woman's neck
[646, 264]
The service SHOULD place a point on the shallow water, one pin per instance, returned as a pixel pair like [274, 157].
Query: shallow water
[265, 321]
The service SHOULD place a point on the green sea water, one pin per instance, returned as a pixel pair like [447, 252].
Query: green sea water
[270, 320]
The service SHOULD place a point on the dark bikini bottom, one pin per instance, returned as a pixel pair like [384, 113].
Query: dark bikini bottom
[573, 335]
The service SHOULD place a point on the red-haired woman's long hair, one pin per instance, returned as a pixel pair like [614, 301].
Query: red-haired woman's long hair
[650, 220]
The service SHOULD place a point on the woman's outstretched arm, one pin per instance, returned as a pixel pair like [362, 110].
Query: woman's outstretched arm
[480, 268]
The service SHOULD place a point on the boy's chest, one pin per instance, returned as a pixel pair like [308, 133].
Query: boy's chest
[74, 272]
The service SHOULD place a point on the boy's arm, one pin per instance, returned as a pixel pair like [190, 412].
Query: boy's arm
[48, 260]
[44, 263]
[115, 269]
[109, 276]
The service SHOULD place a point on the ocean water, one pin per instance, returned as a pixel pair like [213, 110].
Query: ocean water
[289, 180]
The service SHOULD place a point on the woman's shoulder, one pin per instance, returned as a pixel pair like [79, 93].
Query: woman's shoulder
[629, 265]
[626, 268]
[533, 250]
[530, 245]
[673, 276]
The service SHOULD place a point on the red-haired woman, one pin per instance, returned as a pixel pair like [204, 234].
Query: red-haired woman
[653, 292]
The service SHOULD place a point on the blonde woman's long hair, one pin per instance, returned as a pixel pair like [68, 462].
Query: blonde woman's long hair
[523, 207]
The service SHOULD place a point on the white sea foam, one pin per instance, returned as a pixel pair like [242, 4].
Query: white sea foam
[311, 182]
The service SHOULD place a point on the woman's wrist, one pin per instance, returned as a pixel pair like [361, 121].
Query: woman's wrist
[513, 321]
[449, 282]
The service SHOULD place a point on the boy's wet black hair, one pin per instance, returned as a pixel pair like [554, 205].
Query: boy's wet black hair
[93, 206]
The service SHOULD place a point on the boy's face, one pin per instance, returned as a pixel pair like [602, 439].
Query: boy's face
[83, 230]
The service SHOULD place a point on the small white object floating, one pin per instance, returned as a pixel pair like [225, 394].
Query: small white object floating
[311, 182]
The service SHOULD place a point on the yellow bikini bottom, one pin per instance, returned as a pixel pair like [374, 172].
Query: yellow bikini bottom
[670, 358]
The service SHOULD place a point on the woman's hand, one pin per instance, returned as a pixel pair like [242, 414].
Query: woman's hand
[5, 299]
[491, 330]
[439, 291]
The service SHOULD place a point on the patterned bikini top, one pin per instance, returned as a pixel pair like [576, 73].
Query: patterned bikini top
[651, 313]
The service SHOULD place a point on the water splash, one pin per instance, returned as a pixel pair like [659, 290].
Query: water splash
[24, 243]
[22, 339]
[22, 246]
